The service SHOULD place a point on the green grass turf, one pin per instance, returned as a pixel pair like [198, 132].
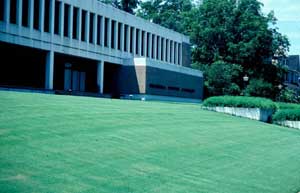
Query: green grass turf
[51, 143]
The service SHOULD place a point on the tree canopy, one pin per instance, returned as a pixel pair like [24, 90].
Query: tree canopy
[172, 14]
[125, 5]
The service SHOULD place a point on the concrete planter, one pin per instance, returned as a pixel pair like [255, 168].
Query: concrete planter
[292, 124]
[251, 113]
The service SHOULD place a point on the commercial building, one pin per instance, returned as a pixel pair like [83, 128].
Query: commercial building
[292, 77]
[88, 46]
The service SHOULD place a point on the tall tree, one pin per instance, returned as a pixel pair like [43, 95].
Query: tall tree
[173, 14]
[125, 5]
[238, 32]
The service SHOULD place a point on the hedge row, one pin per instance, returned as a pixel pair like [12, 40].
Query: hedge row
[240, 101]
[287, 114]
[288, 106]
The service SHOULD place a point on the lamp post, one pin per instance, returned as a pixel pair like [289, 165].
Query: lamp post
[280, 86]
[245, 79]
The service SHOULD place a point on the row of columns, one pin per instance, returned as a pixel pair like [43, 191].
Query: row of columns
[49, 75]
[159, 48]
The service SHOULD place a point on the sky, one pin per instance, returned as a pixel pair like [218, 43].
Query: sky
[288, 14]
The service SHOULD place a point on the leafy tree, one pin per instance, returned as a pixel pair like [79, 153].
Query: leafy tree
[173, 14]
[288, 95]
[237, 32]
[259, 87]
[125, 5]
[221, 78]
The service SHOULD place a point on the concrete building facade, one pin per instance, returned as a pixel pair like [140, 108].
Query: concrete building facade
[88, 46]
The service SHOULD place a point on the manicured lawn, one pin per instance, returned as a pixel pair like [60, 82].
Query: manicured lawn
[51, 143]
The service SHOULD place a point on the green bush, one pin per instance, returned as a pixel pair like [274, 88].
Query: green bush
[240, 101]
[259, 88]
[288, 95]
[288, 105]
[287, 114]
[221, 78]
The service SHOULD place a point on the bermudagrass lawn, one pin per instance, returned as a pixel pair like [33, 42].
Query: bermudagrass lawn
[51, 143]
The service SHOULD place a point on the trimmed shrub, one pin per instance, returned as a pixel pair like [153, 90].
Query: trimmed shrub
[259, 88]
[287, 115]
[240, 101]
[288, 106]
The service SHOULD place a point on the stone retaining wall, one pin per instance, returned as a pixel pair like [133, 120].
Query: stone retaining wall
[251, 113]
[292, 124]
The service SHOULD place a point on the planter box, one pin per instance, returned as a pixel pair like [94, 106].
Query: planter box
[251, 113]
[292, 124]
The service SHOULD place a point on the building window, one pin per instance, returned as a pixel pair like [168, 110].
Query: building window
[75, 22]
[143, 43]
[25, 7]
[131, 39]
[56, 17]
[148, 44]
[119, 34]
[66, 20]
[91, 30]
[100, 30]
[173, 88]
[153, 46]
[47, 16]
[13, 11]
[187, 90]
[157, 86]
[106, 32]
[83, 25]
[36, 20]
[2, 11]
[137, 41]
[166, 54]
[125, 37]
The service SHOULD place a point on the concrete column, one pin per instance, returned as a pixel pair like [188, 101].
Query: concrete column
[102, 30]
[133, 40]
[87, 27]
[109, 33]
[95, 29]
[30, 13]
[61, 19]
[6, 11]
[154, 46]
[150, 45]
[79, 16]
[159, 48]
[116, 39]
[52, 12]
[122, 35]
[145, 44]
[42, 15]
[19, 12]
[128, 39]
[70, 22]
[140, 42]
[100, 76]
[49, 70]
